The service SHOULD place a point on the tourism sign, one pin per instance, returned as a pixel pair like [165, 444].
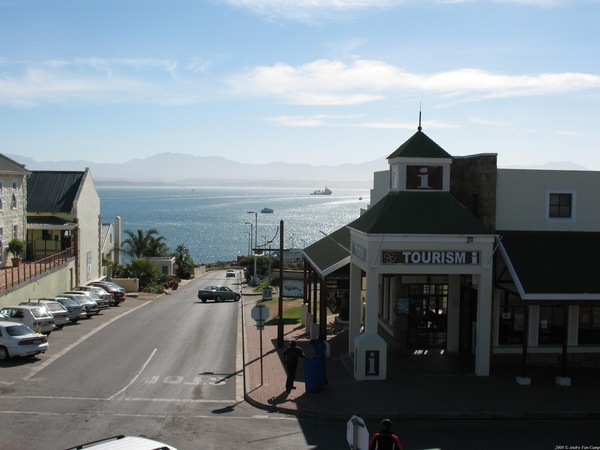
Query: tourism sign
[429, 257]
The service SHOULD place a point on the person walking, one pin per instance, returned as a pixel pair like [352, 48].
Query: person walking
[291, 355]
[386, 439]
[320, 346]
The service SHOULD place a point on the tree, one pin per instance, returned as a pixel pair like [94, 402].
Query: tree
[142, 269]
[143, 245]
[184, 261]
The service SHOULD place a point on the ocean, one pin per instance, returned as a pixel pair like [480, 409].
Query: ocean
[211, 222]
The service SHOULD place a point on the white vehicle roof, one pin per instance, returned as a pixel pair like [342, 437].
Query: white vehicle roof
[125, 443]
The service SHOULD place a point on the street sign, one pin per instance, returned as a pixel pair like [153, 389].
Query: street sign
[260, 313]
[357, 434]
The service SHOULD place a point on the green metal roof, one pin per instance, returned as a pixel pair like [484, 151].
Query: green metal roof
[419, 213]
[52, 191]
[548, 262]
[420, 146]
[331, 252]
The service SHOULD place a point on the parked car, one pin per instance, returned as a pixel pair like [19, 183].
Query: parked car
[96, 290]
[17, 339]
[58, 311]
[102, 303]
[32, 316]
[124, 443]
[76, 311]
[218, 294]
[91, 307]
[119, 294]
[230, 273]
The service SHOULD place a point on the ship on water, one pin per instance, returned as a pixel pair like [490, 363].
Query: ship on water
[325, 191]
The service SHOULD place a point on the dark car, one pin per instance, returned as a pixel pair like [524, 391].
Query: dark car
[218, 294]
[119, 294]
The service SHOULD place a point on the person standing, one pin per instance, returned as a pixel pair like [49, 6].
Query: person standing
[386, 439]
[291, 355]
[320, 346]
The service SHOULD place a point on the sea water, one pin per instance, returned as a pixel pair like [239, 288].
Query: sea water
[214, 223]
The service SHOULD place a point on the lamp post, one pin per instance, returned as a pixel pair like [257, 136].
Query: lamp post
[255, 239]
[250, 244]
[249, 241]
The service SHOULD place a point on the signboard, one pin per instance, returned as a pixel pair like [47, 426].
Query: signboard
[427, 257]
[291, 289]
[357, 433]
[293, 256]
[424, 177]
[260, 313]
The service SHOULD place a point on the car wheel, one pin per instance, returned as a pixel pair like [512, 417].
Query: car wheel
[74, 320]
[218, 298]
[4, 354]
[203, 300]
[237, 298]
[48, 333]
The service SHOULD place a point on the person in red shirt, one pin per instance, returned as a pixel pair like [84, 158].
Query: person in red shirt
[386, 439]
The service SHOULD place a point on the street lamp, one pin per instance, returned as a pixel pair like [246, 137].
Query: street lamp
[249, 233]
[250, 245]
[255, 239]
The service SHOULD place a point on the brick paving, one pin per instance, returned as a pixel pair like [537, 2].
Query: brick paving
[419, 386]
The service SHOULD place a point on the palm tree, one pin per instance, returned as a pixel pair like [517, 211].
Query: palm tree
[142, 244]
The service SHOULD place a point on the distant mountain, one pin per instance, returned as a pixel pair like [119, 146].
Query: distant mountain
[179, 169]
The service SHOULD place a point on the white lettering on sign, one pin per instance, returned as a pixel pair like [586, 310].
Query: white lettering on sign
[430, 257]
[424, 178]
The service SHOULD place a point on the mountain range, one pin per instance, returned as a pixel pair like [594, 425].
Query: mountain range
[178, 169]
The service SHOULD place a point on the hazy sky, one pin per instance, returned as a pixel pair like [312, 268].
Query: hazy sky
[303, 81]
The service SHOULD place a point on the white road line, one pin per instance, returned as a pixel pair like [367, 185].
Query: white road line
[275, 416]
[136, 376]
[53, 358]
[128, 399]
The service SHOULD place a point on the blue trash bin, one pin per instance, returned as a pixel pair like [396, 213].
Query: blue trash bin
[314, 372]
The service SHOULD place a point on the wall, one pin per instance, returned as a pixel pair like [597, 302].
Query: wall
[129, 284]
[10, 217]
[522, 198]
[49, 284]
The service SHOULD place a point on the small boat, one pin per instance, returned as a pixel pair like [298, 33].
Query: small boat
[360, 198]
[325, 191]
[267, 210]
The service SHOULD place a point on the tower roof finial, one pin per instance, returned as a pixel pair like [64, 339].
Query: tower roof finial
[419, 128]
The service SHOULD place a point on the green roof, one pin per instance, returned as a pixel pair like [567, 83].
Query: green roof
[552, 262]
[331, 252]
[420, 146]
[419, 213]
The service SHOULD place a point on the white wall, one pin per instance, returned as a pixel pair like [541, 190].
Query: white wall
[87, 211]
[522, 197]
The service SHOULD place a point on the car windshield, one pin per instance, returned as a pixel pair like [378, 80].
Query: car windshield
[19, 330]
[68, 302]
[38, 312]
[55, 307]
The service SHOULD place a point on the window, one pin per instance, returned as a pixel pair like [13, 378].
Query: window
[512, 320]
[2, 201]
[15, 195]
[15, 231]
[560, 206]
[589, 325]
[46, 235]
[551, 324]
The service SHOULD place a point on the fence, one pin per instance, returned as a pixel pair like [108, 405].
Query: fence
[13, 276]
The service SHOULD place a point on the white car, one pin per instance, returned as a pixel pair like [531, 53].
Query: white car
[33, 316]
[96, 290]
[17, 339]
[58, 311]
[230, 273]
[124, 443]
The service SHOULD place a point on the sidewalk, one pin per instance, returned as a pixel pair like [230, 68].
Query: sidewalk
[419, 386]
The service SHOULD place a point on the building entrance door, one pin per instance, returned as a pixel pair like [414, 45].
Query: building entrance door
[428, 315]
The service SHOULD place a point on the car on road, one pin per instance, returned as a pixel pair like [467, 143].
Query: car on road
[96, 290]
[17, 339]
[33, 316]
[119, 294]
[124, 443]
[101, 302]
[230, 273]
[58, 311]
[75, 310]
[91, 307]
[218, 294]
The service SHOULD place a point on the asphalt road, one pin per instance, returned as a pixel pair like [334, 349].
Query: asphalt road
[170, 369]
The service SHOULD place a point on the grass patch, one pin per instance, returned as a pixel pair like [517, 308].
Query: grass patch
[292, 310]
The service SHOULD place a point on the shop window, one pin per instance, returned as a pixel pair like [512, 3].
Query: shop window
[589, 325]
[551, 326]
[512, 320]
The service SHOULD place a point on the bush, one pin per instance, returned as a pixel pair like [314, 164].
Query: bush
[16, 247]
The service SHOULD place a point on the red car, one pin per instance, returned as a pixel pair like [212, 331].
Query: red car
[119, 294]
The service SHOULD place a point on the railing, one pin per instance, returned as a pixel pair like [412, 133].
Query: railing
[15, 275]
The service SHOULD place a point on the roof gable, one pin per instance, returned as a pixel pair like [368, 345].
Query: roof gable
[331, 252]
[11, 167]
[419, 213]
[420, 146]
[52, 192]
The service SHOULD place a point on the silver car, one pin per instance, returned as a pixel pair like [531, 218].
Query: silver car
[96, 290]
[75, 310]
[91, 307]
[35, 317]
[58, 311]
[101, 302]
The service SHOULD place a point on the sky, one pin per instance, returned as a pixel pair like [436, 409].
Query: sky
[322, 82]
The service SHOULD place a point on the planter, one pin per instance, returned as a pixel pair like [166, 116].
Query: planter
[16, 262]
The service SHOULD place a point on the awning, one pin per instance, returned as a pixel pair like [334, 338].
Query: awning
[548, 265]
[330, 253]
[49, 223]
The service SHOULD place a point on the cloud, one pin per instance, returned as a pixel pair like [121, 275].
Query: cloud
[351, 121]
[326, 82]
[494, 123]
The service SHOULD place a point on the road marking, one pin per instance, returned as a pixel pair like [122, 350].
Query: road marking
[53, 358]
[275, 416]
[127, 399]
[136, 376]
